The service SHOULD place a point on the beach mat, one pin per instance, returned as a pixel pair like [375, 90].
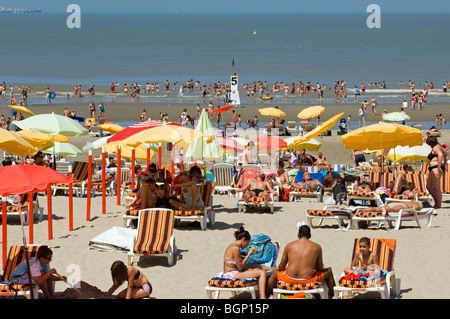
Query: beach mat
[114, 239]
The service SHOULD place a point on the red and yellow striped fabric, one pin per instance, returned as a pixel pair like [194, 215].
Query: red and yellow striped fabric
[320, 212]
[222, 283]
[308, 286]
[154, 231]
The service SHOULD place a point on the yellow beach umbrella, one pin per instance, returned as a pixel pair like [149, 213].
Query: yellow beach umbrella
[325, 126]
[21, 109]
[43, 138]
[164, 133]
[272, 111]
[311, 145]
[140, 152]
[13, 143]
[311, 111]
[406, 153]
[111, 128]
[382, 136]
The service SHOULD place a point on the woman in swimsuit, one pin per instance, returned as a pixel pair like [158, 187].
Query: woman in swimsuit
[363, 186]
[436, 168]
[138, 285]
[234, 267]
[392, 207]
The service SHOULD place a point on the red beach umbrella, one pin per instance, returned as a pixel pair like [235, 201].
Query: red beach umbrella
[269, 143]
[27, 179]
[222, 109]
[229, 144]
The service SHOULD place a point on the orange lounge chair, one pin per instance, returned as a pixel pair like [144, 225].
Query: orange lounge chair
[385, 249]
[15, 256]
[80, 171]
[331, 212]
[154, 235]
[14, 210]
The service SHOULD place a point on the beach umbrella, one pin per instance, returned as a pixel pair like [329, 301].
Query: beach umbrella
[43, 138]
[272, 111]
[382, 136]
[22, 109]
[65, 149]
[325, 126]
[311, 111]
[269, 143]
[136, 128]
[140, 152]
[311, 145]
[230, 144]
[98, 143]
[15, 144]
[406, 153]
[396, 117]
[202, 147]
[111, 128]
[52, 124]
[222, 109]
[27, 179]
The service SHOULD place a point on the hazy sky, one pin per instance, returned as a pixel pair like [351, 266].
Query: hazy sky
[234, 6]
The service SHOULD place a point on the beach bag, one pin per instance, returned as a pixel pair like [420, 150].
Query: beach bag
[339, 193]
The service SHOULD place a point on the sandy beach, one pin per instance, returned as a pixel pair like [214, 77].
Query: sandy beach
[200, 253]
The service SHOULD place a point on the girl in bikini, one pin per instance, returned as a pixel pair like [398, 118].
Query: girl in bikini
[138, 285]
[234, 267]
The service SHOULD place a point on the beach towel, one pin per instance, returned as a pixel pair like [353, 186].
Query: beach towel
[114, 239]
[265, 250]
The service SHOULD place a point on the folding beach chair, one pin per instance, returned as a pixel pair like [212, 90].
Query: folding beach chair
[223, 177]
[298, 193]
[15, 209]
[154, 236]
[200, 215]
[218, 284]
[80, 171]
[15, 256]
[385, 249]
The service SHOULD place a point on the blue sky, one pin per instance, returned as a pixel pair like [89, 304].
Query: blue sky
[234, 6]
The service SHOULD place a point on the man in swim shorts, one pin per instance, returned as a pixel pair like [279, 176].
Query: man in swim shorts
[302, 263]
[257, 187]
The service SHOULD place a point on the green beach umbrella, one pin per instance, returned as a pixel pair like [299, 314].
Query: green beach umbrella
[65, 149]
[52, 124]
[396, 117]
[200, 148]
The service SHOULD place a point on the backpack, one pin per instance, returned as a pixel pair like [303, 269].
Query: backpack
[339, 193]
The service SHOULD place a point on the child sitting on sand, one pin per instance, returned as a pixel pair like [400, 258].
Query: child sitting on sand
[138, 285]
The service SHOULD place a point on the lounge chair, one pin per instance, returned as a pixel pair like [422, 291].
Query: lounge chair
[15, 209]
[223, 177]
[298, 193]
[200, 215]
[418, 179]
[292, 128]
[218, 284]
[154, 236]
[405, 214]
[15, 256]
[80, 171]
[378, 179]
[385, 249]
[331, 212]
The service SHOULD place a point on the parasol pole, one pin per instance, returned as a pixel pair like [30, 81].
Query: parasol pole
[148, 157]
[119, 160]
[159, 155]
[181, 161]
[103, 181]
[88, 211]
[49, 212]
[133, 163]
[70, 203]
[4, 233]
[30, 217]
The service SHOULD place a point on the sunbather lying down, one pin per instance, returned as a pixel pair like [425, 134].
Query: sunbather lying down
[256, 188]
[393, 207]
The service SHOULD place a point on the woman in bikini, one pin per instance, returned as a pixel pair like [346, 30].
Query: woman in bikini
[437, 161]
[363, 186]
[234, 267]
[138, 285]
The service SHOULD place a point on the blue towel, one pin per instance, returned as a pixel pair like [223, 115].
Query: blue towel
[265, 249]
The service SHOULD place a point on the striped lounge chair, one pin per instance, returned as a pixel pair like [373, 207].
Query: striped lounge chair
[154, 235]
[15, 256]
[223, 177]
[218, 284]
[298, 193]
[385, 249]
[378, 179]
[200, 215]
[332, 212]
[419, 180]
[80, 171]
[283, 288]
[14, 210]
